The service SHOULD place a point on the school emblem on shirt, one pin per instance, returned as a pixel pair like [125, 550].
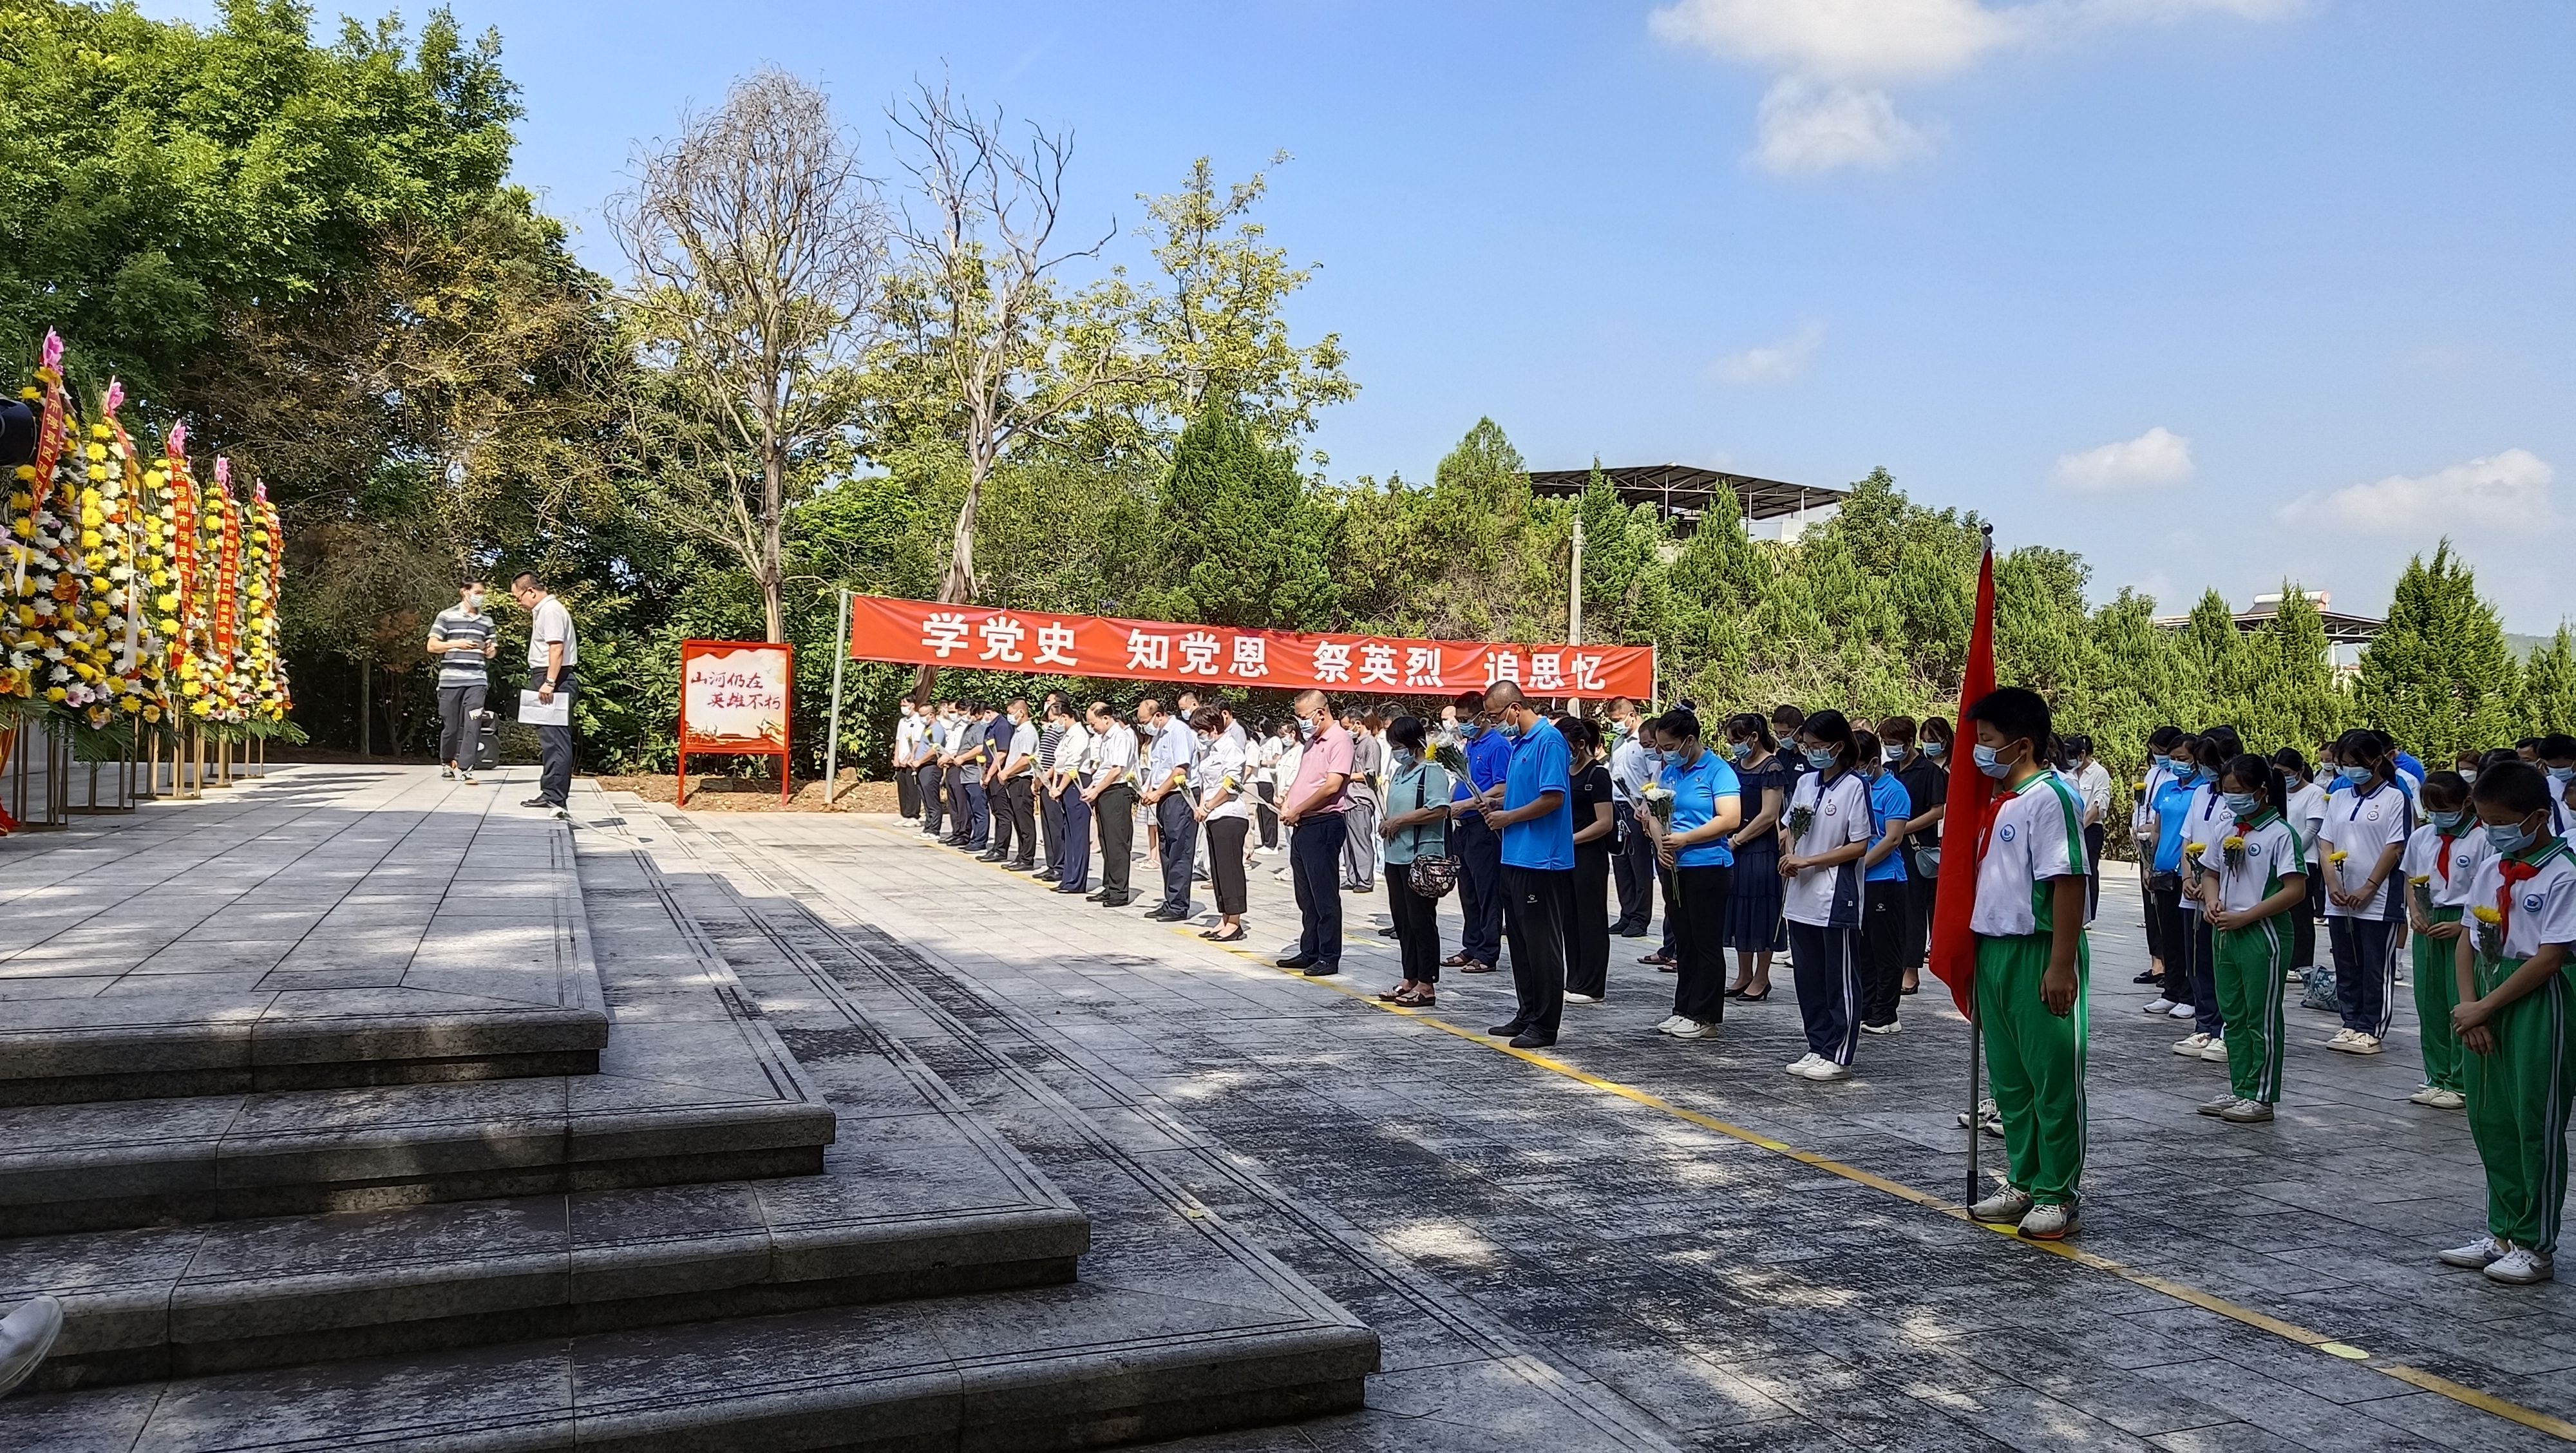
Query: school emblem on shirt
[1829, 809]
[2531, 903]
[2253, 850]
[2374, 813]
[2005, 832]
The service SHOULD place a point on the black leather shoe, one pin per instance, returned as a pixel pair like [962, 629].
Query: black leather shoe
[1117, 900]
[1323, 971]
[1050, 876]
[1295, 961]
[1531, 1040]
[536, 802]
[1506, 1031]
[1164, 915]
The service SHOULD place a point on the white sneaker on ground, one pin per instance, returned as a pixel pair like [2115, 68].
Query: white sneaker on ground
[2423, 1096]
[1821, 1069]
[2356, 1043]
[2191, 1048]
[2478, 1253]
[2159, 1005]
[2246, 1112]
[1671, 1022]
[2218, 1106]
[1987, 1115]
[1893, 1026]
[1694, 1029]
[2053, 1222]
[1582, 998]
[26, 1335]
[2448, 1100]
[465, 777]
[2521, 1267]
[2004, 1205]
[1799, 1065]
[2215, 1051]
[2341, 1038]
[2181, 1011]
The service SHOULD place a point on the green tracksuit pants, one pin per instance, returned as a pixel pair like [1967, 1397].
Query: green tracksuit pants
[2035, 1063]
[2250, 966]
[2437, 993]
[2518, 1100]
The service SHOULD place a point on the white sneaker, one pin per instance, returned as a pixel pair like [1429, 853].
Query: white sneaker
[2053, 1222]
[1821, 1069]
[2219, 1105]
[1987, 1115]
[1799, 1065]
[2358, 1043]
[1671, 1023]
[2004, 1205]
[2181, 1011]
[2448, 1100]
[26, 1335]
[2246, 1112]
[2521, 1267]
[1582, 998]
[2191, 1048]
[1893, 1026]
[2159, 1005]
[2423, 1096]
[2215, 1051]
[2484, 1251]
[2341, 1038]
[1693, 1029]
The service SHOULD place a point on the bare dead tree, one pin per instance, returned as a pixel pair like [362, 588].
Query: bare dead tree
[981, 332]
[757, 243]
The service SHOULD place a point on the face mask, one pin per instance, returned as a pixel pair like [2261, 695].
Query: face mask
[1935, 749]
[2448, 824]
[2244, 804]
[1306, 729]
[1990, 761]
[2510, 838]
[2468, 776]
[2562, 774]
[474, 600]
[1820, 760]
[2358, 776]
[1511, 731]
[2184, 771]
[1892, 754]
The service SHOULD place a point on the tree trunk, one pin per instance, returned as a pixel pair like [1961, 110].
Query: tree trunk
[957, 587]
[773, 527]
[366, 678]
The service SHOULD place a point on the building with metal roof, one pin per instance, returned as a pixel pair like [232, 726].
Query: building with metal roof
[1681, 492]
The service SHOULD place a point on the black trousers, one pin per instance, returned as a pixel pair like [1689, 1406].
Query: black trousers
[456, 708]
[1921, 892]
[907, 792]
[1828, 974]
[1180, 849]
[1225, 837]
[1417, 925]
[2365, 961]
[2177, 942]
[957, 814]
[2093, 872]
[2303, 947]
[1315, 868]
[1695, 906]
[1051, 827]
[1534, 922]
[1016, 821]
[2147, 896]
[1479, 851]
[928, 777]
[1883, 913]
[554, 750]
[1587, 922]
[1268, 807]
[1116, 812]
[1632, 871]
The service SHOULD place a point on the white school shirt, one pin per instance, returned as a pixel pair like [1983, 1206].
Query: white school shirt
[2307, 812]
[2036, 837]
[2206, 821]
[1841, 818]
[2272, 852]
[2361, 828]
[2093, 785]
[2144, 807]
[907, 738]
[2447, 874]
[2543, 910]
[1217, 761]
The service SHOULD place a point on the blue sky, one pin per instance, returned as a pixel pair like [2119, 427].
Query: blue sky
[2212, 291]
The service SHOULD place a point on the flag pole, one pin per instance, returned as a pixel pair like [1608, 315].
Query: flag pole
[832, 733]
[1976, 1122]
[1977, 678]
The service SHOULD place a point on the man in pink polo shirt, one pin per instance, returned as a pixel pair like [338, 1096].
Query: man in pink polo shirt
[1313, 810]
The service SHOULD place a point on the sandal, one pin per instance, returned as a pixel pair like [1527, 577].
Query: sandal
[1456, 961]
[1416, 1001]
[1395, 995]
[1657, 957]
[1477, 966]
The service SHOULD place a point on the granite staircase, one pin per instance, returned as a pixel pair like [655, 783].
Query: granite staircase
[469, 1137]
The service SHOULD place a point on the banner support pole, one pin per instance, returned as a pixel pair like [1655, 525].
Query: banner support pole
[832, 733]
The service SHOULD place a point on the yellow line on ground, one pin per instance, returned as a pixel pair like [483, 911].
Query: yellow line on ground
[2290, 1331]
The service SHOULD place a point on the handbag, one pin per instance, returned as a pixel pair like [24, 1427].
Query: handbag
[1431, 877]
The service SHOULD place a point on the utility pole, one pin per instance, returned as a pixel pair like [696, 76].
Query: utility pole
[1574, 597]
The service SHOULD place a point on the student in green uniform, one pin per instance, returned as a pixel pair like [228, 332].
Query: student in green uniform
[2440, 863]
[2260, 875]
[2512, 1019]
[2032, 963]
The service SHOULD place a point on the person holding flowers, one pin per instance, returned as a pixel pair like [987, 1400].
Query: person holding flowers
[1416, 830]
[2512, 1018]
[1692, 810]
[1828, 831]
[2439, 864]
[2259, 879]
[2365, 834]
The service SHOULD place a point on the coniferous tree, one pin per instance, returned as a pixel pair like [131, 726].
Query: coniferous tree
[1248, 544]
[2214, 655]
[2439, 676]
[2294, 700]
[2547, 700]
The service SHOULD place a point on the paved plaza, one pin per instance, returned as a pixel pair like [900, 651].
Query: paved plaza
[1625, 1242]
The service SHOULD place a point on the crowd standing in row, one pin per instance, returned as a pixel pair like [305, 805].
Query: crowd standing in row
[1819, 838]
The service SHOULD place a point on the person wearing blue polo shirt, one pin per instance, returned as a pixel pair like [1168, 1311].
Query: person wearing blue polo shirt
[1883, 892]
[1478, 851]
[1536, 820]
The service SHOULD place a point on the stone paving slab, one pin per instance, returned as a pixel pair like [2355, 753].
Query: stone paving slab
[326, 927]
[1722, 1294]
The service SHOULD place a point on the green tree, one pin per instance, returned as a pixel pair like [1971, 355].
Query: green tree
[2546, 701]
[2214, 656]
[2294, 700]
[2439, 676]
[1247, 544]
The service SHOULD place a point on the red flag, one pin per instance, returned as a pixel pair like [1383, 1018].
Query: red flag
[1972, 797]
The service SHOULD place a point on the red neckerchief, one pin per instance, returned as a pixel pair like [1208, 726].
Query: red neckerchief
[2443, 861]
[2513, 870]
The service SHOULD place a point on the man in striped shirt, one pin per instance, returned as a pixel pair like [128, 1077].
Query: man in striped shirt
[463, 638]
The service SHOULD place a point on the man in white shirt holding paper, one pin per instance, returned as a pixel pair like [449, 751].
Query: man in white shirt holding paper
[553, 652]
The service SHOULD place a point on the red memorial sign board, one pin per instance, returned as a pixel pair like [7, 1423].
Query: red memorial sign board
[734, 699]
[926, 633]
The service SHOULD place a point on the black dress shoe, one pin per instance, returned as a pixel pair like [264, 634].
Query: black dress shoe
[1097, 896]
[1295, 961]
[1388, 932]
[1322, 971]
[1531, 1040]
[536, 802]
[1506, 1031]
[1050, 876]
[1024, 867]
[1117, 900]
[1164, 915]
[1078, 889]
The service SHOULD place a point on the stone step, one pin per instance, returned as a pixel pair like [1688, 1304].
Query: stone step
[676, 1102]
[238, 1295]
[1074, 1366]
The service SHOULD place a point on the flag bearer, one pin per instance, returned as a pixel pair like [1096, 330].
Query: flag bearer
[2259, 877]
[2032, 962]
[2512, 1019]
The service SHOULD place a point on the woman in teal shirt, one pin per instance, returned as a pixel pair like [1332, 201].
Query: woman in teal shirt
[1707, 804]
[1416, 825]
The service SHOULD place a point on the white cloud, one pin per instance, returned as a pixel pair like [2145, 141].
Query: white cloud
[2507, 489]
[2158, 456]
[1807, 128]
[1772, 362]
[1832, 60]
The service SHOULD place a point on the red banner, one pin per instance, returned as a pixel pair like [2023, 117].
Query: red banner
[926, 633]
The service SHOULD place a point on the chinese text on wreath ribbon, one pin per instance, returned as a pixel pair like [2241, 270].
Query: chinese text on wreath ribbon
[925, 633]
